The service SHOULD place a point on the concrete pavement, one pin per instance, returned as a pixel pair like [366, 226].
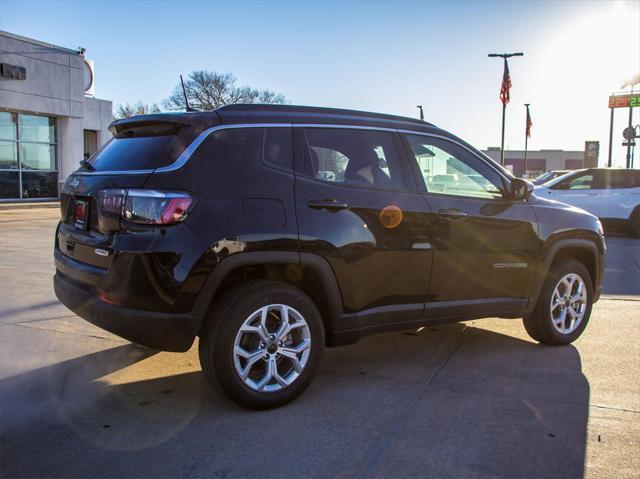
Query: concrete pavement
[477, 399]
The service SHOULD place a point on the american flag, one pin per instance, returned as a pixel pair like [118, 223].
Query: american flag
[529, 123]
[506, 84]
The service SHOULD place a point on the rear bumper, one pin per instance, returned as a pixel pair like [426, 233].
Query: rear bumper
[166, 332]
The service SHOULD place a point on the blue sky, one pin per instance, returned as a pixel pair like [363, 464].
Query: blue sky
[378, 56]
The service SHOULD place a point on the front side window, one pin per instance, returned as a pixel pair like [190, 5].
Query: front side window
[353, 157]
[449, 169]
[579, 182]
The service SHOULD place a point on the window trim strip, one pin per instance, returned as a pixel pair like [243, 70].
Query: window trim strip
[193, 146]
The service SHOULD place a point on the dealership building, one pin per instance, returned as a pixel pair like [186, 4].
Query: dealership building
[539, 161]
[49, 116]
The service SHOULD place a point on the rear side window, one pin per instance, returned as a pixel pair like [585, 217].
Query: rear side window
[618, 179]
[238, 145]
[277, 148]
[354, 157]
[142, 148]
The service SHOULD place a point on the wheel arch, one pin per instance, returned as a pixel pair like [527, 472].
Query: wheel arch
[583, 250]
[309, 272]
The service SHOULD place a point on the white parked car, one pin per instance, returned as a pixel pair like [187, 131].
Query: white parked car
[613, 195]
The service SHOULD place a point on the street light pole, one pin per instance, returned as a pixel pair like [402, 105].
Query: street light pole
[504, 104]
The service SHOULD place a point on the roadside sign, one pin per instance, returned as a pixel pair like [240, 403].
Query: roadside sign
[624, 101]
[591, 151]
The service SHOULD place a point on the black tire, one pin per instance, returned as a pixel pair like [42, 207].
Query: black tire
[539, 323]
[634, 223]
[223, 323]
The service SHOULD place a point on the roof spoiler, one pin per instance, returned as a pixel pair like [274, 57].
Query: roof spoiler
[197, 121]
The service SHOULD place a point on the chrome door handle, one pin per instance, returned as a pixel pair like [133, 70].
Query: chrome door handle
[328, 204]
[452, 214]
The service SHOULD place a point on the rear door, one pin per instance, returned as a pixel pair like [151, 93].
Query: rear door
[619, 192]
[357, 206]
[485, 246]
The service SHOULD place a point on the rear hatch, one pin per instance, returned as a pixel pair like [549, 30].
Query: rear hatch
[140, 146]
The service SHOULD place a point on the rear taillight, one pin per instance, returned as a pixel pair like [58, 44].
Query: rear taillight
[149, 207]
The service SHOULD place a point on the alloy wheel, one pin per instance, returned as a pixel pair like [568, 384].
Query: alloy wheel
[568, 303]
[272, 348]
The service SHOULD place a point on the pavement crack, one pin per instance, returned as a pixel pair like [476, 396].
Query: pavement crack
[22, 325]
[402, 421]
[611, 408]
[44, 319]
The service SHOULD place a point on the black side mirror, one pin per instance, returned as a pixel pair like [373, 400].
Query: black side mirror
[520, 189]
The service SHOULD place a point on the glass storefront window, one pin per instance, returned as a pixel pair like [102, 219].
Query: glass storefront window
[8, 155]
[8, 130]
[28, 166]
[37, 128]
[39, 185]
[36, 156]
[9, 185]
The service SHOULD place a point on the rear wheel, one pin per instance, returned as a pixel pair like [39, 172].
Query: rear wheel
[564, 306]
[262, 343]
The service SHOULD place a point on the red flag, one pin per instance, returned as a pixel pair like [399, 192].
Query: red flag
[529, 123]
[506, 84]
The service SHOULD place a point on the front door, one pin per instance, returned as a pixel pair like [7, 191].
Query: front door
[357, 207]
[578, 190]
[485, 246]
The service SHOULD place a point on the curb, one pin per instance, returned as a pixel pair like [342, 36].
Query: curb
[28, 206]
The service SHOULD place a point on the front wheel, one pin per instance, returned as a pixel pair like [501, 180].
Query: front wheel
[564, 305]
[261, 344]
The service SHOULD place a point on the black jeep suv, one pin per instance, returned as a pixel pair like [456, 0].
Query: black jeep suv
[273, 231]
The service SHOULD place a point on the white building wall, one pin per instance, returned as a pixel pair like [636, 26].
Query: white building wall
[54, 86]
[70, 146]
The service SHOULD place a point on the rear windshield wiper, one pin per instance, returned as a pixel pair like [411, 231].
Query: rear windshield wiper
[87, 166]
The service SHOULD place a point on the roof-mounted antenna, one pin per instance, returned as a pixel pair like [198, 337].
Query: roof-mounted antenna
[419, 107]
[186, 100]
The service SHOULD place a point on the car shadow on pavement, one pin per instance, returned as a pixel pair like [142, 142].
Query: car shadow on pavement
[453, 401]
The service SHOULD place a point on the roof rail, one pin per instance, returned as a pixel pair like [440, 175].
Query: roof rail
[318, 110]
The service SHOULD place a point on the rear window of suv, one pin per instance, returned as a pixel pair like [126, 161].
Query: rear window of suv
[143, 147]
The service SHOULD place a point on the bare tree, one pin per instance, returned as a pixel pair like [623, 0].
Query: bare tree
[139, 108]
[208, 90]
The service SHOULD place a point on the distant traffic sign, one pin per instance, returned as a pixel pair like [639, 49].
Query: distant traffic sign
[624, 101]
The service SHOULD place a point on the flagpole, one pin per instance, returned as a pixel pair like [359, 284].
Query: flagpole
[526, 138]
[504, 110]
[504, 104]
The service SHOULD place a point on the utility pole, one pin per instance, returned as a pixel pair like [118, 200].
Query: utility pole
[526, 138]
[506, 84]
